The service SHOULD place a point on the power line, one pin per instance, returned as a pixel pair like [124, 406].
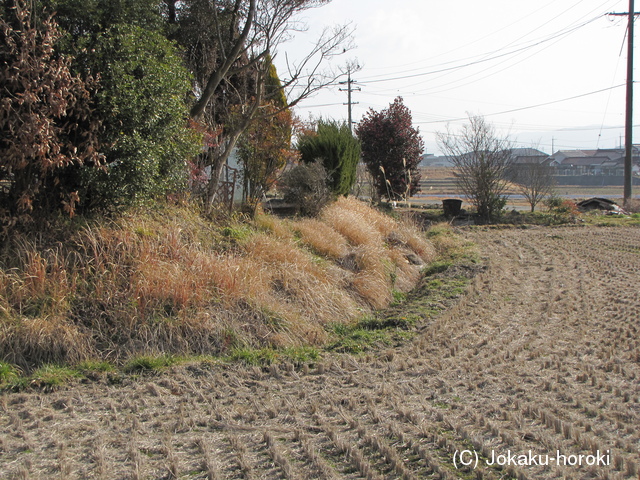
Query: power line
[318, 105]
[556, 16]
[464, 46]
[483, 60]
[532, 106]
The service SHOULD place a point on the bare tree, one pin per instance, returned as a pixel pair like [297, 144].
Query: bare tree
[482, 160]
[534, 181]
[240, 39]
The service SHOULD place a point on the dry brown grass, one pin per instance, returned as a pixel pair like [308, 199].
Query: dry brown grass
[43, 340]
[357, 229]
[277, 226]
[540, 355]
[170, 282]
[322, 238]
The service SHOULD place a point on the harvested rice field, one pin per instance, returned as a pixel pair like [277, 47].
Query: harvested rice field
[536, 367]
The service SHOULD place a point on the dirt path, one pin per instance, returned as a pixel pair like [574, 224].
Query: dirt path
[542, 354]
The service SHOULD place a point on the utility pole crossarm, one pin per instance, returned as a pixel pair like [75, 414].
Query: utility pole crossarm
[349, 89]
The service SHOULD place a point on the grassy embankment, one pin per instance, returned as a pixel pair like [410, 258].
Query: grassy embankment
[151, 289]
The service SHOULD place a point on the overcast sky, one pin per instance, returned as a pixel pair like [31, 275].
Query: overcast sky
[548, 73]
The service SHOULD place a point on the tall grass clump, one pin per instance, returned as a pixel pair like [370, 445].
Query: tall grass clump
[322, 238]
[379, 248]
[168, 282]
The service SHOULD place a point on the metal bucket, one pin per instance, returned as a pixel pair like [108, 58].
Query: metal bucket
[451, 207]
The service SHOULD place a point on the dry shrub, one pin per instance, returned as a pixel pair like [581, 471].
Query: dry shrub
[323, 238]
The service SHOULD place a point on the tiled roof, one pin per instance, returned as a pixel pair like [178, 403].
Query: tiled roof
[585, 160]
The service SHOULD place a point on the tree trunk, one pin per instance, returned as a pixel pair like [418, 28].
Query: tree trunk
[220, 160]
[216, 77]
[171, 7]
[217, 165]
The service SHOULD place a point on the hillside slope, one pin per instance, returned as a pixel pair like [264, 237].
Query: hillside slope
[167, 282]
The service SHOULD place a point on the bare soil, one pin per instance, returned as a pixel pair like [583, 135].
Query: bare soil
[541, 354]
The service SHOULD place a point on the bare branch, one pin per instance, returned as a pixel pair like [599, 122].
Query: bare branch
[482, 160]
[534, 181]
[267, 25]
[219, 74]
[312, 73]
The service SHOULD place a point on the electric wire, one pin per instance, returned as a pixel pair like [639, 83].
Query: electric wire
[462, 47]
[483, 60]
[506, 55]
[544, 104]
[615, 74]
[487, 54]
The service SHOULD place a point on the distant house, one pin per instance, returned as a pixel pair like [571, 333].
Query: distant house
[607, 162]
[528, 156]
[585, 165]
[592, 167]
[557, 158]
[569, 167]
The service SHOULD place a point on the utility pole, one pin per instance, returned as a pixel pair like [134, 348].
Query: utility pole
[628, 147]
[349, 89]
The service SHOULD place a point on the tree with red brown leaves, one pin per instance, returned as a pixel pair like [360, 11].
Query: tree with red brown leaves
[391, 149]
[46, 122]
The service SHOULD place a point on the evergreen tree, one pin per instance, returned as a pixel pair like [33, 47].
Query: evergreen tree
[337, 149]
[142, 100]
[142, 104]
